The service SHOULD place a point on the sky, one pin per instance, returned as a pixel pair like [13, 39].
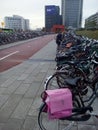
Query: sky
[34, 10]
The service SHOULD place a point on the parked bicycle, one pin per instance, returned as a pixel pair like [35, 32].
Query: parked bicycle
[82, 111]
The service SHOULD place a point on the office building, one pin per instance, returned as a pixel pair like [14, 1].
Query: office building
[17, 23]
[72, 13]
[92, 22]
[52, 16]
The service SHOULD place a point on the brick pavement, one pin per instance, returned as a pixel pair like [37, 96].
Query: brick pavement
[20, 89]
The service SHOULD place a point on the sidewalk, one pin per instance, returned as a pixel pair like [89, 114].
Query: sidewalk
[20, 89]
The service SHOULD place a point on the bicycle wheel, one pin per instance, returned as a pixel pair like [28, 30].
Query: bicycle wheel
[57, 80]
[52, 124]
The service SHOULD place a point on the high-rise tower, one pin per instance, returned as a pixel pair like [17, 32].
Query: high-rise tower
[72, 13]
[52, 16]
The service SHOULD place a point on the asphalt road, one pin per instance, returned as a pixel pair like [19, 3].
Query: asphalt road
[12, 56]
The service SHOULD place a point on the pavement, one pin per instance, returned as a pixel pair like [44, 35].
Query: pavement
[20, 90]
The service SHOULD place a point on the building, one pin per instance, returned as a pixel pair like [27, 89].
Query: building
[72, 13]
[16, 23]
[52, 16]
[92, 22]
[27, 24]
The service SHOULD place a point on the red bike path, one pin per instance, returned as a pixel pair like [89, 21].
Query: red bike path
[12, 56]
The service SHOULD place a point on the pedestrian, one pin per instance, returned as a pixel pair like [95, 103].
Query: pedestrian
[58, 39]
[64, 33]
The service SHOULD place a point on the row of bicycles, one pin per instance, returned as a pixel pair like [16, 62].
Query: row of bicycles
[76, 70]
[15, 36]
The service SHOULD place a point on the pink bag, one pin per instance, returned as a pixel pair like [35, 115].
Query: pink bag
[59, 102]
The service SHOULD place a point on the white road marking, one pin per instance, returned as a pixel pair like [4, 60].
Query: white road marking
[8, 55]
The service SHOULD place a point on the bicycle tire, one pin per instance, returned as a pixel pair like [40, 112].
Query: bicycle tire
[47, 124]
[56, 80]
[43, 121]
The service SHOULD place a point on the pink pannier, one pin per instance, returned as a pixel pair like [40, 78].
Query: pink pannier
[59, 102]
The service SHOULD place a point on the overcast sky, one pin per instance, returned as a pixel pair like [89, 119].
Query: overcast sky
[34, 9]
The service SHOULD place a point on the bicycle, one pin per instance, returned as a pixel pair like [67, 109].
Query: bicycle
[72, 70]
[82, 111]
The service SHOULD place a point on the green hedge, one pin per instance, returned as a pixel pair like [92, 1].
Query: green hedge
[89, 33]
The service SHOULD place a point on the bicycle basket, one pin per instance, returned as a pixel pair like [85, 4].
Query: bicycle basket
[59, 103]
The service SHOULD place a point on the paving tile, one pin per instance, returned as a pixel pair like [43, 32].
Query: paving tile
[8, 108]
[22, 89]
[30, 123]
[29, 79]
[2, 90]
[1, 125]
[95, 121]
[32, 90]
[34, 109]
[63, 127]
[23, 76]
[22, 108]
[40, 77]
[90, 121]
[8, 82]
[31, 68]
[3, 99]
[11, 88]
[2, 79]
[86, 127]
[12, 124]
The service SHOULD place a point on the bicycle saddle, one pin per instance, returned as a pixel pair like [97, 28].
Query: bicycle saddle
[72, 81]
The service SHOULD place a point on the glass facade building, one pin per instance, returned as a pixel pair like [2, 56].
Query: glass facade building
[52, 16]
[72, 13]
